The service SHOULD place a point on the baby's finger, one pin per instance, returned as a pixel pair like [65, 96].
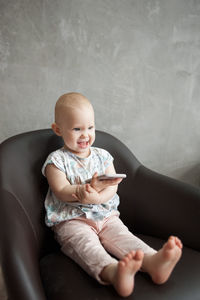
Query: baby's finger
[89, 189]
[95, 175]
[118, 180]
[75, 197]
[94, 178]
[79, 191]
[109, 182]
[114, 181]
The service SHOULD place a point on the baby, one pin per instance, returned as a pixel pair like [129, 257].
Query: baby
[85, 216]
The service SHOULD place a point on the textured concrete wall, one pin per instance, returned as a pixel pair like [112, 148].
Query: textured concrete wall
[138, 61]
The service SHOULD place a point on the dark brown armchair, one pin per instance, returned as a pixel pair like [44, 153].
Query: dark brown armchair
[152, 205]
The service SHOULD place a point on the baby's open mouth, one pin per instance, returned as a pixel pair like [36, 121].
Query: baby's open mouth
[83, 144]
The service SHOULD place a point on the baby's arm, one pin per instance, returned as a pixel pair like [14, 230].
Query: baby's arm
[65, 191]
[98, 192]
[59, 184]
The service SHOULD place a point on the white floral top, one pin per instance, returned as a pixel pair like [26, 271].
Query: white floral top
[78, 170]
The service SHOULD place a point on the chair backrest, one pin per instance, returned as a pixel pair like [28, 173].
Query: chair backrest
[21, 159]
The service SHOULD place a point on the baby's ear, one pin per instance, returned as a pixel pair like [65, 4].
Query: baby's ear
[56, 129]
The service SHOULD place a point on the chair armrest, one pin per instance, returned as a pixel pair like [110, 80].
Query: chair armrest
[162, 206]
[19, 252]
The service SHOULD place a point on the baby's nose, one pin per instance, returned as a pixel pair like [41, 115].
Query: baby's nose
[84, 134]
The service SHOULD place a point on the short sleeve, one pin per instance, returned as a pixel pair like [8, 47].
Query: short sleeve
[56, 159]
[106, 157]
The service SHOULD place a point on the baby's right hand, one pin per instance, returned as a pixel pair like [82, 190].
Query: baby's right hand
[100, 185]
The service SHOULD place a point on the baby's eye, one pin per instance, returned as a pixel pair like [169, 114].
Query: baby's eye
[91, 127]
[76, 129]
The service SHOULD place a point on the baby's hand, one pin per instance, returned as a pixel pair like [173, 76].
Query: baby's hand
[86, 194]
[100, 185]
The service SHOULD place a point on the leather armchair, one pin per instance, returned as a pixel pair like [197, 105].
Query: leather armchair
[153, 206]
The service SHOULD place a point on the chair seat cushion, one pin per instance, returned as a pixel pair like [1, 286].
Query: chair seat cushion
[63, 279]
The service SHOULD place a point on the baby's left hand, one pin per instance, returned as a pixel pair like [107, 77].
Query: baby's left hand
[85, 194]
[100, 185]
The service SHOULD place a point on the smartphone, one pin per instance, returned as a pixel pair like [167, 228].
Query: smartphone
[108, 176]
[111, 176]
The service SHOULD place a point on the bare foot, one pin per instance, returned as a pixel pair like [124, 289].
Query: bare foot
[121, 275]
[161, 264]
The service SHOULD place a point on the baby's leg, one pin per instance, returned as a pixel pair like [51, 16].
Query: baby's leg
[118, 240]
[160, 265]
[121, 275]
[79, 240]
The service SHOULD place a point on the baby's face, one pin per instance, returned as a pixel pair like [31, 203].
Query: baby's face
[78, 129]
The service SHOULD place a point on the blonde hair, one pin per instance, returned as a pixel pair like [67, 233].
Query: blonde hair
[70, 100]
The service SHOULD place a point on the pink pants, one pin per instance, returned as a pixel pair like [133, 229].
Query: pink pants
[88, 242]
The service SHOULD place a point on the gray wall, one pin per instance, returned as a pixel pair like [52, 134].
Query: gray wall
[138, 61]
